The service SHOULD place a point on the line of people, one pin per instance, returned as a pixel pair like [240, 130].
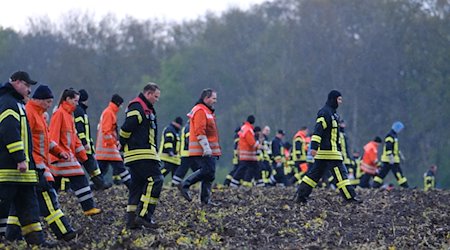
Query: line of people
[38, 158]
[323, 159]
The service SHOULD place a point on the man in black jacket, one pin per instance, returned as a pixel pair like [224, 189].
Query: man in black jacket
[326, 149]
[18, 175]
[138, 141]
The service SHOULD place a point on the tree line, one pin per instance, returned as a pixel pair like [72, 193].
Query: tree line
[278, 60]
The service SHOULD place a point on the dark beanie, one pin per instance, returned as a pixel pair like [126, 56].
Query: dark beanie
[117, 99]
[377, 139]
[179, 120]
[251, 119]
[332, 98]
[42, 92]
[83, 95]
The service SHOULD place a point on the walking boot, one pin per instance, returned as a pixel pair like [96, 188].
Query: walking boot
[72, 234]
[146, 223]
[131, 221]
[184, 185]
[37, 239]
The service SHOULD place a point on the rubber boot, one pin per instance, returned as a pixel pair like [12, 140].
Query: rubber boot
[184, 187]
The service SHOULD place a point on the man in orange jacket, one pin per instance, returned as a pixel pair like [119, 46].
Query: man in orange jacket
[63, 132]
[107, 143]
[203, 146]
[369, 163]
[50, 209]
[248, 160]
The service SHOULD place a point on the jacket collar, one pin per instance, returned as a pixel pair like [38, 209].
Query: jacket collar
[35, 106]
[68, 107]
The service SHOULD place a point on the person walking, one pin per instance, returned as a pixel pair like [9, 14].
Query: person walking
[63, 132]
[83, 129]
[107, 144]
[18, 175]
[391, 158]
[203, 146]
[138, 142]
[326, 149]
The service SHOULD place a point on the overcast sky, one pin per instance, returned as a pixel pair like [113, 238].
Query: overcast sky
[15, 13]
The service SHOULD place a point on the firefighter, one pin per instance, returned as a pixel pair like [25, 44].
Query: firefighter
[186, 161]
[278, 160]
[138, 141]
[203, 146]
[84, 134]
[300, 144]
[369, 162]
[18, 175]
[169, 149]
[326, 149]
[265, 161]
[63, 132]
[391, 158]
[107, 144]
[248, 160]
[347, 155]
[42, 147]
[429, 178]
[235, 159]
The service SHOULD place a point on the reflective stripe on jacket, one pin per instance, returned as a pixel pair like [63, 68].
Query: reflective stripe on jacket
[106, 147]
[42, 146]
[203, 123]
[138, 133]
[15, 138]
[63, 132]
[247, 143]
[369, 161]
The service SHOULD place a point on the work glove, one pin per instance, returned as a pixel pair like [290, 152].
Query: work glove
[391, 159]
[43, 183]
[205, 145]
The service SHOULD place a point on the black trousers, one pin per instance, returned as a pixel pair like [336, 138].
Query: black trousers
[145, 188]
[186, 164]
[246, 171]
[21, 200]
[365, 180]
[50, 209]
[91, 166]
[229, 176]
[168, 168]
[206, 174]
[396, 170]
[80, 185]
[321, 167]
[279, 176]
[120, 173]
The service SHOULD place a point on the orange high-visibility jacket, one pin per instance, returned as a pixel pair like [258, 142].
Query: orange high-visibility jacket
[247, 144]
[107, 135]
[42, 146]
[369, 162]
[63, 132]
[203, 124]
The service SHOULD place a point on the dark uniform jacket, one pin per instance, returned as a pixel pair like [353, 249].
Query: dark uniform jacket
[138, 132]
[277, 150]
[83, 127]
[169, 150]
[325, 138]
[390, 147]
[15, 138]
[184, 148]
